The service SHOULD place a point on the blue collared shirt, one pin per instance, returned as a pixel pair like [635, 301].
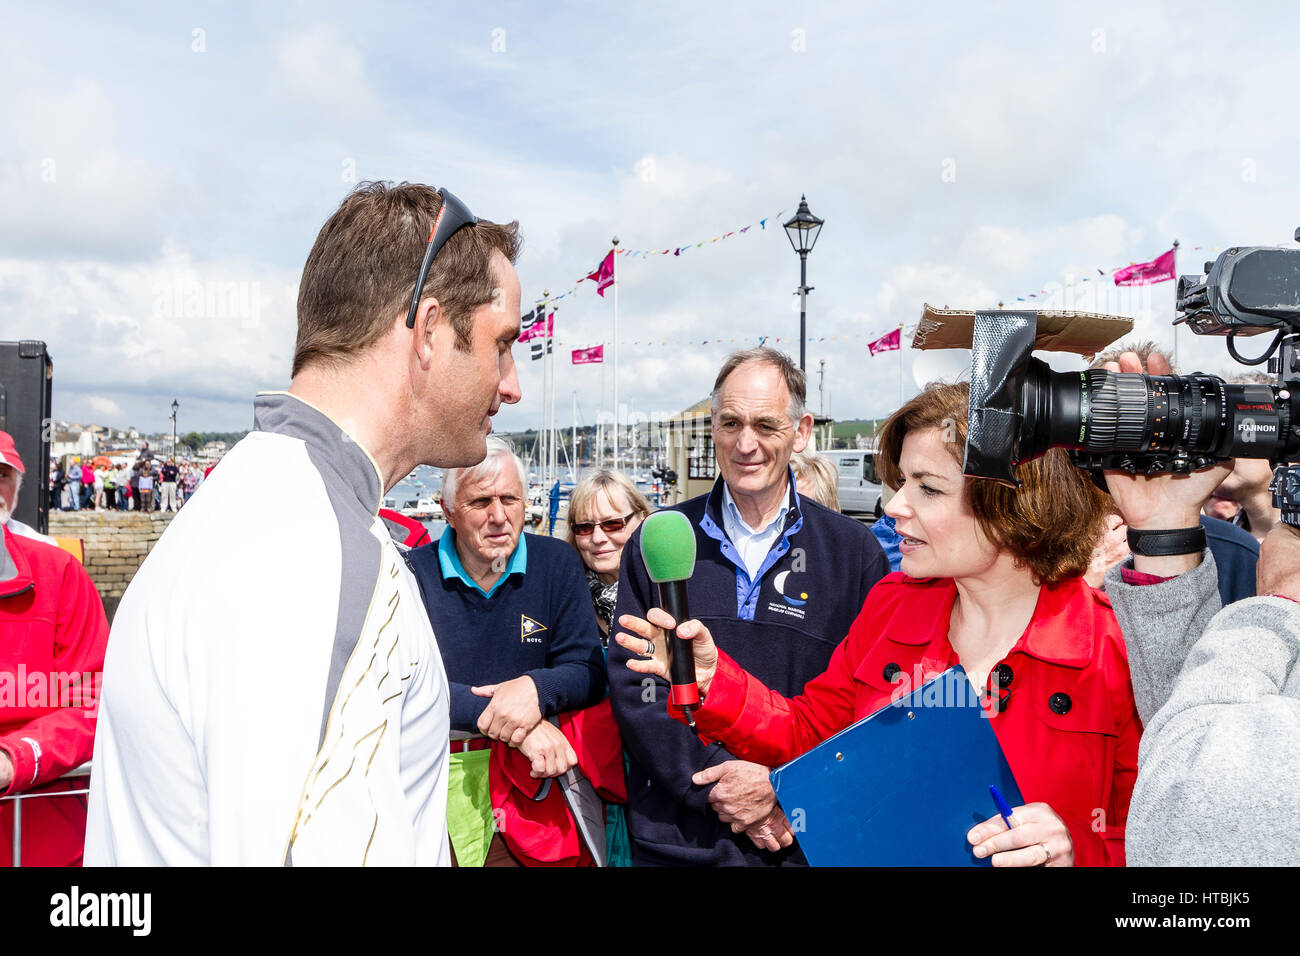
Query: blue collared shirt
[752, 545]
[748, 586]
[449, 562]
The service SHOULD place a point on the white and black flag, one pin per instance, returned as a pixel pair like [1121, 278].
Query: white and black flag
[526, 322]
[536, 328]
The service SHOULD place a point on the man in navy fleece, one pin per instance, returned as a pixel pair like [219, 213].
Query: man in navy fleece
[778, 580]
[517, 632]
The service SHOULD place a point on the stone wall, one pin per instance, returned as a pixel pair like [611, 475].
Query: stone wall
[117, 543]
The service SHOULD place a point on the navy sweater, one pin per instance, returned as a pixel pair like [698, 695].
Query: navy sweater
[781, 628]
[540, 623]
[1236, 552]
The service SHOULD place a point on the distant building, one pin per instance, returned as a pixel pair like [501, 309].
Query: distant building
[69, 439]
[690, 451]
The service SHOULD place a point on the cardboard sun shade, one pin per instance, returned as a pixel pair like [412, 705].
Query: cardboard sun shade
[1084, 333]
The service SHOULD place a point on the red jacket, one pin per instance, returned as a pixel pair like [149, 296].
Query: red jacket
[542, 832]
[405, 531]
[52, 637]
[1076, 752]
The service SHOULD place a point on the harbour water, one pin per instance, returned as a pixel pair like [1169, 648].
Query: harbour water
[425, 481]
[422, 482]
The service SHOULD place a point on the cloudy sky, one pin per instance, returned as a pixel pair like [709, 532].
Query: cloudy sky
[164, 169]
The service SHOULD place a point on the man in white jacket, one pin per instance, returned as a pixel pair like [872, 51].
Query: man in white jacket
[273, 692]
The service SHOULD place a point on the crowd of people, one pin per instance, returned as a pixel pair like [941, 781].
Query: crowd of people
[149, 483]
[497, 698]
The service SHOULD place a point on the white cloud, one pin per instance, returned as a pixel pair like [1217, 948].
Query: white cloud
[65, 185]
[663, 125]
[126, 339]
[322, 74]
[104, 409]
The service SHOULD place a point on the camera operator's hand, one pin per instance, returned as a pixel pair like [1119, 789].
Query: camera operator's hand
[1278, 571]
[1110, 551]
[1165, 502]
[1157, 364]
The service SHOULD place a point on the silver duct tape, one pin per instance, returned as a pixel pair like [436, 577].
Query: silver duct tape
[1000, 348]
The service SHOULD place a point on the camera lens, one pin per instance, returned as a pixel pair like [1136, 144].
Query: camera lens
[1148, 422]
[1120, 404]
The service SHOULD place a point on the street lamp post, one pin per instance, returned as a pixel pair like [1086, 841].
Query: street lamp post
[803, 228]
[175, 406]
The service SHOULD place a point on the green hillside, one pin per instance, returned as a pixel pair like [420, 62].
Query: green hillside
[843, 433]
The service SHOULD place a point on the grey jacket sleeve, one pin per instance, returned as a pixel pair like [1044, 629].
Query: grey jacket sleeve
[1161, 622]
[1219, 759]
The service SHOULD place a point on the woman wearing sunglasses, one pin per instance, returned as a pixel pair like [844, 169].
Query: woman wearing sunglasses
[604, 510]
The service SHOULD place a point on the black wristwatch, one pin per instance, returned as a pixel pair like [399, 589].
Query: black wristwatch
[1157, 544]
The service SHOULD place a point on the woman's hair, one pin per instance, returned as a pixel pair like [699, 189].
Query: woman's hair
[819, 476]
[606, 480]
[1050, 524]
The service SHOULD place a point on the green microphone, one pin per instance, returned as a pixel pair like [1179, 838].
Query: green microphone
[668, 550]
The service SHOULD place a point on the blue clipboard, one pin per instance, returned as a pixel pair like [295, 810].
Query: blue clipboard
[902, 786]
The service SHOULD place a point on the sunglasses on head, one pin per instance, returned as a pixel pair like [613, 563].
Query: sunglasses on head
[451, 217]
[612, 526]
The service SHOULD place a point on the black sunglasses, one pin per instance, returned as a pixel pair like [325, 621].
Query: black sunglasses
[451, 217]
[612, 526]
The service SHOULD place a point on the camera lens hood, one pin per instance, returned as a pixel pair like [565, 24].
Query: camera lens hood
[1000, 352]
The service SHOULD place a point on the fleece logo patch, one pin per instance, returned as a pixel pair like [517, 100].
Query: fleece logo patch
[793, 586]
[792, 591]
[529, 630]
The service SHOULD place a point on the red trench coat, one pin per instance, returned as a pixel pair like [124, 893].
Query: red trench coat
[1069, 729]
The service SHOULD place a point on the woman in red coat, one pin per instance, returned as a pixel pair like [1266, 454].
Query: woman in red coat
[991, 579]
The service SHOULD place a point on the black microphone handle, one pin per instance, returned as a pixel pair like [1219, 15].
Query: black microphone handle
[672, 598]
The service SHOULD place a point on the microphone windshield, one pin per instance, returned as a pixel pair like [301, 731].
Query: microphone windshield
[668, 546]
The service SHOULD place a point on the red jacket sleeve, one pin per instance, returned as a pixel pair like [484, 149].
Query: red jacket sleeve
[758, 724]
[543, 833]
[595, 740]
[47, 747]
[1099, 840]
[1121, 792]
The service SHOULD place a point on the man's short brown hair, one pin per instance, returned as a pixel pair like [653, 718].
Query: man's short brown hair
[795, 380]
[361, 271]
[1050, 524]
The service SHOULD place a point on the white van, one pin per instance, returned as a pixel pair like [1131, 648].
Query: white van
[859, 485]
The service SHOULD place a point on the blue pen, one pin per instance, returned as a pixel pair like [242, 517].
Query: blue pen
[1004, 808]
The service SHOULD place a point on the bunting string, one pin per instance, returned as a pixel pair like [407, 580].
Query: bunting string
[677, 250]
[1101, 276]
[762, 226]
[680, 250]
[739, 340]
[765, 222]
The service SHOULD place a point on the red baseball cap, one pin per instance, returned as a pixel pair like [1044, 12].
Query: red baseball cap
[9, 454]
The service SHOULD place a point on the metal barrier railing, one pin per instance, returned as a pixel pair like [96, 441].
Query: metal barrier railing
[18, 798]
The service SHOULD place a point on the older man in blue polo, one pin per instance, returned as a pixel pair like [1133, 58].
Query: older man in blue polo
[518, 636]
